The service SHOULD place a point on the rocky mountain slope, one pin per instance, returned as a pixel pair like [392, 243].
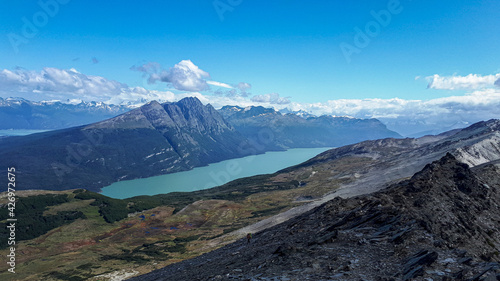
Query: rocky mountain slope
[395, 159]
[18, 113]
[274, 130]
[177, 226]
[151, 140]
[441, 224]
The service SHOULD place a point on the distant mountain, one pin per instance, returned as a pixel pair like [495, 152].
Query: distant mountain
[389, 160]
[418, 127]
[151, 140]
[273, 130]
[301, 113]
[18, 113]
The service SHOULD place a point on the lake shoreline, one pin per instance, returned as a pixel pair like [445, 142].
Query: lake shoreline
[214, 174]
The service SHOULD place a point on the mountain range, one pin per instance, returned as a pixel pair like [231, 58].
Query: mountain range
[164, 138]
[151, 140]
[387, 209]
[274, 130]
[19, 113]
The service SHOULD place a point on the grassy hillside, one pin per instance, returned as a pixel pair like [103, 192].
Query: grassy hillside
[99, 236]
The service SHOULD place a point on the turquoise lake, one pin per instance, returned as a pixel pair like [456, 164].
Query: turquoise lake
[212, 175]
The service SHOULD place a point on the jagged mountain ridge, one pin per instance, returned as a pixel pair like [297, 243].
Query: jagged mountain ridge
[18, 113]
[151, 140]
[276, 131]
[440, 224]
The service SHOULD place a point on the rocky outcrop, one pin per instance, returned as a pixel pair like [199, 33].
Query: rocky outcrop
[442, 224]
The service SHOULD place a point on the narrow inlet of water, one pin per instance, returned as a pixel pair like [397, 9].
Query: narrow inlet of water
[212, 175]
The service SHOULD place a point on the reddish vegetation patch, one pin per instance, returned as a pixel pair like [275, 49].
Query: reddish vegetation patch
[26, 253]
[142, 226]
[114, 231]
[75, 245]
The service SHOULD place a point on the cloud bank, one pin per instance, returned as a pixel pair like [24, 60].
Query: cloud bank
[186, 76]
[469, 82]
[61, 84]
[273, 98]
[408, 117]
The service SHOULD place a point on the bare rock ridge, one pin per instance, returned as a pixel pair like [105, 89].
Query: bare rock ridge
[485, 150]
[440, 224]
[151, 140]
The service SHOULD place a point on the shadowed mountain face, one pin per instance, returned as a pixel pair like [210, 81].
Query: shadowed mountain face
[440, 224]
[276, 131]
[152, 140]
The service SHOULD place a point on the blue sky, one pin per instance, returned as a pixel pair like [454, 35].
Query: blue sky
[286, 48]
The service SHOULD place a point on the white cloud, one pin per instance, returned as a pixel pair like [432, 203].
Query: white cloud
[184, 76]
[53, 83]
[414, 116]
[219, 101]
[404, 116]
[220, 84]
[138, 96]
[469, 82]
[394, 108]
[243, 86]
[149, 67]
[237, 90]
[272, 98]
